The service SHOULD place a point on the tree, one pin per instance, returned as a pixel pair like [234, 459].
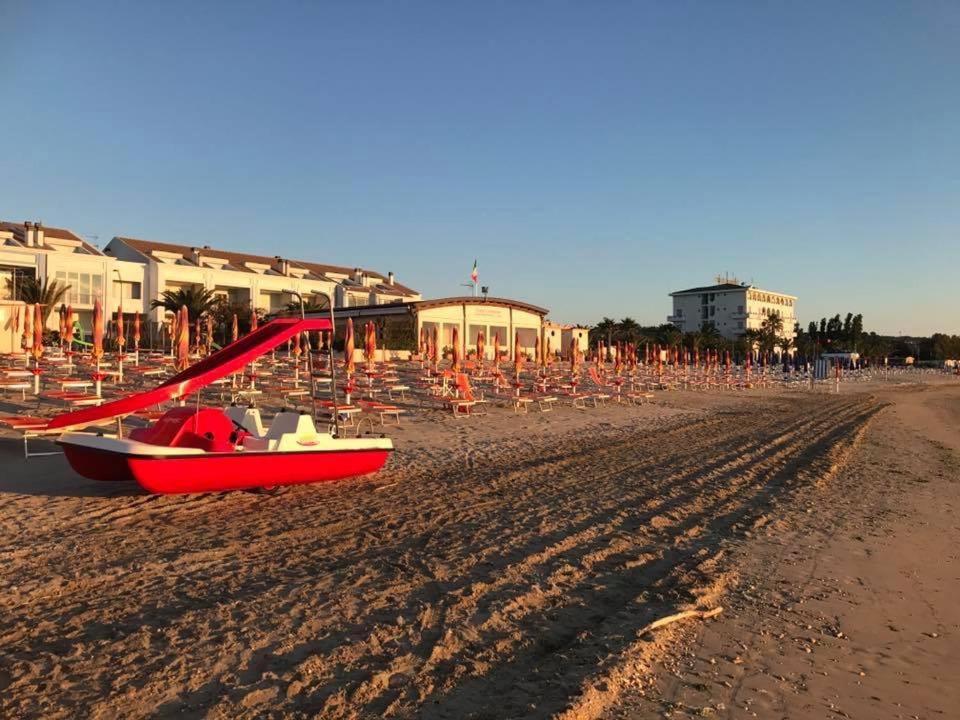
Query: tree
[604, 331]
[628, 330]
[48, 294]
[197, 299]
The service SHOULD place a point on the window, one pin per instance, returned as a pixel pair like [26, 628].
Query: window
[11, 278]
[500, 332]
[679, 312]
[713, 311]
[127, 290]
[84, 287]
[740, 325]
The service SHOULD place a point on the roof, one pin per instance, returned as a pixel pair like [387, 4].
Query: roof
[712, 288]
[442, 302]
[48, 232]
[726, 287]
[236, 261]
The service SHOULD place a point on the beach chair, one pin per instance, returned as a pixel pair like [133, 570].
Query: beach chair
[466, 402]
[381, 410]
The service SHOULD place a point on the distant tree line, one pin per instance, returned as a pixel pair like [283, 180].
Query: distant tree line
[834, 334]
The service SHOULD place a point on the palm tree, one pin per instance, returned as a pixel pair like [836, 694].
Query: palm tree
[48, 294]
[197, 299]
[628, 330]
[603, 330]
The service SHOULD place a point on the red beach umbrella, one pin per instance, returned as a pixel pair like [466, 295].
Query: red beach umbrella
[517, 357]
[68, 321]
[234, 329]
[480, 347]
[37, 332]
[97, 351]
[455, 359]
[348, 347]
[136, 331]
[182, 343]
[121, 340]
[253, 320]
[496, 351]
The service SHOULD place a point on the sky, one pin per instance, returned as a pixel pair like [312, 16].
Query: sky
[591, 156]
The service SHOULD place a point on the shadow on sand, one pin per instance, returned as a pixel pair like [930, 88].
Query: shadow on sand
[50, 475]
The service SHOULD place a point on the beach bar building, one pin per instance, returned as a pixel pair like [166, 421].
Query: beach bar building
[399, 323]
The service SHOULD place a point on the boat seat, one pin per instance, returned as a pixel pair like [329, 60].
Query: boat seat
[248, 418]
[291, 431]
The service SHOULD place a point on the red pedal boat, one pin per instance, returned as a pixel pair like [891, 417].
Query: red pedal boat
[190, 450]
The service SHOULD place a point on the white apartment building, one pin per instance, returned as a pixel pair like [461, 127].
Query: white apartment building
[33, 250]
[263, 282]
[732, 307]
[138, 271]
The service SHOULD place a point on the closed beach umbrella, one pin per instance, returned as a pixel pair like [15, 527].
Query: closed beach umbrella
[480, 347]
[297, 351]
[97, 351]
[435, 346]
[27, 327]
[253, 320]
[183, 339]
[370, 343]
[455, 354]
[496, 350]
[121, 340]
[136, 331]
[574, 355]
[547, 359]
[234, 329]
[68, 321]
[537, 355]
[62, 313]
[37, 331]
[424, 342]
[517, 358]
[209, 333]
[348, 347]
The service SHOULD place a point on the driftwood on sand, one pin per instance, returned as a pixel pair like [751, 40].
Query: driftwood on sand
[685, 615]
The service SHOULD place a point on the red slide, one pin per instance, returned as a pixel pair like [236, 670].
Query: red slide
[221, 363]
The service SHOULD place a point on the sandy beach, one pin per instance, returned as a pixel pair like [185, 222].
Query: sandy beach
[506, 566]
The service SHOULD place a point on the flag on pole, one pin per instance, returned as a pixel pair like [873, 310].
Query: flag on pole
[474, 274]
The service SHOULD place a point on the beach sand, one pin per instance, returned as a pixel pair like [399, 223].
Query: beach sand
[506, 566]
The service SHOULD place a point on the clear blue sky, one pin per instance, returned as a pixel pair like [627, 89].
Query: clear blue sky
[592, 155]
